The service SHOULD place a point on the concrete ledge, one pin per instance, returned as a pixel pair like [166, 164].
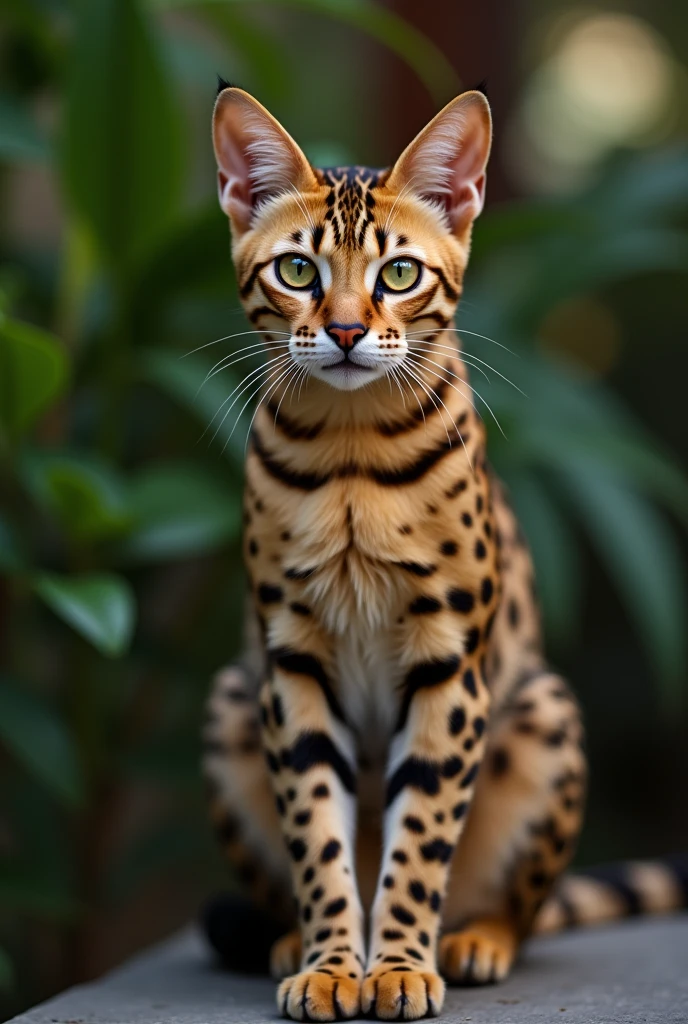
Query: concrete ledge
[634, 972]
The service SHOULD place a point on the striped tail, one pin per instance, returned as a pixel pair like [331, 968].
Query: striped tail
[596, 895]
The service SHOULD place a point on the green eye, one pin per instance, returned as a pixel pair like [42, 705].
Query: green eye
[400, 275]
[296, 271]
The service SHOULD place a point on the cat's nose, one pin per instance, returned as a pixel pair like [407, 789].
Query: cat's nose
[346, 335]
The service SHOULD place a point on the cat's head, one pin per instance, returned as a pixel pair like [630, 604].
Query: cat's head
[350, 266]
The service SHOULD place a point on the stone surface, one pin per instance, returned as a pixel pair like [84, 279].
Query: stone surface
[634, 972]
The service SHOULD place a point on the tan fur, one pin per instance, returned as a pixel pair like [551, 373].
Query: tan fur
[394, 594]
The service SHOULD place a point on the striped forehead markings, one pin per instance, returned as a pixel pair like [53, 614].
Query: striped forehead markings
[350, 203]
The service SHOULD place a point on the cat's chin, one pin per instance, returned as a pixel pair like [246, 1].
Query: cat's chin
[347, 375]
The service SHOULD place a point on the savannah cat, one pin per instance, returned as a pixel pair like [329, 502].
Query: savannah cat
[393, 768]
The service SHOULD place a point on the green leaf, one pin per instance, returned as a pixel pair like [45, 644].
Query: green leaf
[85, 493]
[122, 153]
[31, 730]
[6, 971]
[180, 510]
[20, 139]
[391, 30]
[101, 607]
[33, 372]
[643, 560]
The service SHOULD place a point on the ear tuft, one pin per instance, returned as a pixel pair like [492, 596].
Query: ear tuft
[222, 84]
[445, 164]
[481, 87]
[256, 158]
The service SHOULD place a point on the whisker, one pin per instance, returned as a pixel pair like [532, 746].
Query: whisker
[235, 357]
[462, 330]
[476, 393]
[407, 380]
[239, 334]
[430, 395]
[453, 421]
[431, 347]
[274, 369]
[263, 399]
[257, 373]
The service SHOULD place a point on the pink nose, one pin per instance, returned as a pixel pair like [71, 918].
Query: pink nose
[346, 335]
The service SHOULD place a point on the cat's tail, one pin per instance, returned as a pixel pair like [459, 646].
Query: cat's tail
[596, 895]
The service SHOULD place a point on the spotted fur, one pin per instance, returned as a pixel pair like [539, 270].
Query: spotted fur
[395, 752]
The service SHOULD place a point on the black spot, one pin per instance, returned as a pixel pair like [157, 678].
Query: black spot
[268, 593]
[401, 914]
[470, 775]
[500, 762]
[486, 590]
[480, 550]
[514, 614]
[538, 879]
[308, 875]
[320, 791]
[317, 893]
[392, 959]
[302, 818]
[273, 763]
[317, 748]
[424, 606]
[451, 767]
[291, 793]
[424, 938]
[388, 882]
[335, 907]
[415, 773]
[323, 935]
[457, 721]
[466, 518]
[330, 851]
[437, 849]
[414, 824]
[435, 901]
[439, 817]
[280, 804]
[314, 956]
[417, 891]
[472, 639]
[458, 811]
[470, 683]
[334, 960]
[400, 857]
[307, 914]
[460, 600]
[300, 609]
[277, 709]
[479, 726]
[297, 849]
[449, 547]
[413, 953]
[253, 548]
[417, 569]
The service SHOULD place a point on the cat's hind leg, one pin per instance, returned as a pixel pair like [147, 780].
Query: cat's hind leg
[241, 928]
[521, 829]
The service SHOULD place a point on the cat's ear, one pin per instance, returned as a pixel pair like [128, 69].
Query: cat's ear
[256, 157]
[446, 162]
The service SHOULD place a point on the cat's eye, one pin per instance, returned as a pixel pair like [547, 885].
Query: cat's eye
[296, 271]
[400, 275]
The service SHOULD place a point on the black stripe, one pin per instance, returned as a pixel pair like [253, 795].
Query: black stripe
[425, 674]
[417, 568]
[449, 290]
[305, 664]
[318, 233]
[416, 470]
[439, 319]
[256, 314]
[247, 286]
[316, 748]
[291, 428]
[286, 476]
[419, 414]
[416, 773]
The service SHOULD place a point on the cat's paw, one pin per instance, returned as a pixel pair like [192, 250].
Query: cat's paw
[479, 954]
[401, 993]
[313, 995]
[285, 955]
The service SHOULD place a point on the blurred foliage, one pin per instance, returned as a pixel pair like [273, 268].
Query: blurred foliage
[111, 611]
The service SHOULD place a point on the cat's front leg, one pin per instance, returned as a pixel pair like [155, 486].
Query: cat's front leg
[310, 753]
[430, 783]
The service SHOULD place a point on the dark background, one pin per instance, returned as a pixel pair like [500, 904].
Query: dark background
[120, 577]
